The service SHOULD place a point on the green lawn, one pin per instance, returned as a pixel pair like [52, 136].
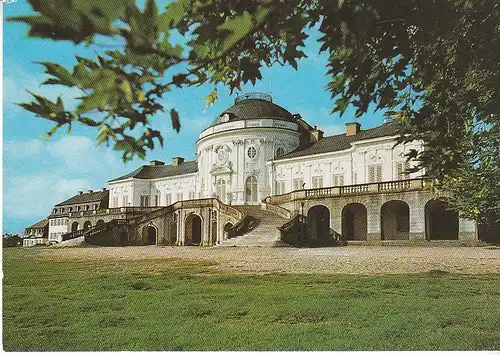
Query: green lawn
[178, 305]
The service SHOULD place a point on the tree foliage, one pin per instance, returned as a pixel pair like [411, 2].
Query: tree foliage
[436, 63]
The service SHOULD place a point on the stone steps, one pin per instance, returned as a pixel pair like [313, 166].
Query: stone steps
[265, 234]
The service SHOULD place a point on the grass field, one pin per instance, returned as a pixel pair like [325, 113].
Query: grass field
[186, 305]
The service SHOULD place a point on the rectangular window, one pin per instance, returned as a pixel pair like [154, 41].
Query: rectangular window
[191, 195]
[374, 173]
[144, 201]
[338, 180]
[168, 199]
[125, 201]
[157, 200]
[297, 184]
[317, 182]
[115, 201]
[280, 187]
[400, 170]
[179, 196]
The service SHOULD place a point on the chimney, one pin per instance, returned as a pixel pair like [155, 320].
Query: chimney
[90, 191]
[156, 162]
[316, 135]
[103, 189]
[352, 128]
[80, 192]
[176, 161]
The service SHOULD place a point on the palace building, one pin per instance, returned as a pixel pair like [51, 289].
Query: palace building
[263, 176]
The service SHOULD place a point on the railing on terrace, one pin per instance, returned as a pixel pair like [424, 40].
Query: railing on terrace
[335, 191]
[278, 210]
[93, 230]
[240, 227]
[292, 232]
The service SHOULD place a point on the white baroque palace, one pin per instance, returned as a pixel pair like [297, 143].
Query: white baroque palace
[262, 172]
[255, 149]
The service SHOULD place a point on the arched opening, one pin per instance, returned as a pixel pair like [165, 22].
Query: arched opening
[220, 189]
[123, 238]
[354, 222]
[87, 225]
[318, 223]
[192, 229]
[99, 222]
[440, 223]
[149, 235]
[251, 189]
[227, 227]
[395, 220]
[74, 226]
[489, 233]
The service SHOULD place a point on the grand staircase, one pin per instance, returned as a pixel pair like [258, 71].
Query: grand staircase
[264, 234]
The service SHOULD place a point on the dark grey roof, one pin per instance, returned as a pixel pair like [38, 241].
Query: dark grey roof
[160, 171]
[85, 198]
[342, 142]
[40, 224]
[254, 108]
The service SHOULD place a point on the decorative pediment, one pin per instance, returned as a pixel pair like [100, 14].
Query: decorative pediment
[221, 169]
[221, 146]
[318, 170]
[281, 174]
[299, 172]
[375, 158]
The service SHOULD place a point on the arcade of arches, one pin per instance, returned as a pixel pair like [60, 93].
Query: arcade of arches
[393, 222]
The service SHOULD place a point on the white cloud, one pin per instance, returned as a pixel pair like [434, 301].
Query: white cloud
[333, 129]
[56, 171]
[34, 195]
[23, 149]
[17, 82]
[80, 154]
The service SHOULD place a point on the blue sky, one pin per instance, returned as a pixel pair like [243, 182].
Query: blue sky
[38, 174]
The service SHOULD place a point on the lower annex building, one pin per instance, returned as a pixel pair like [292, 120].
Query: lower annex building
[257, 156]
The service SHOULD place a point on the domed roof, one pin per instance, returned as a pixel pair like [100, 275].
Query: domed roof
[251, 106]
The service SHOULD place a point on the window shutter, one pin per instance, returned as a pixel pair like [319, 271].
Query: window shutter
[371, 174]
[379, 173]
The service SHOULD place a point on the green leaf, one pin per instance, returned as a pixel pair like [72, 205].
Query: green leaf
[174, 117]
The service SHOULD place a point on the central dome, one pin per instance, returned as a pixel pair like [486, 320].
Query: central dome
[253, 106]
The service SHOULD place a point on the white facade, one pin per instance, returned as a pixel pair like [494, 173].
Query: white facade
[366, 161]
[57, 227]
[237, 161]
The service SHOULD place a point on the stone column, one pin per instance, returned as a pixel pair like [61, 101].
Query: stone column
[467, 230]
[416, 205]
[205, 237]
[373, 231]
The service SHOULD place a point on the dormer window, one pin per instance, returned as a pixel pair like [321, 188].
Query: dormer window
[225, 117]
[279, 152]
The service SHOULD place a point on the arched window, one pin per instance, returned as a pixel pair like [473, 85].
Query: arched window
[251, 189]
[220, 188]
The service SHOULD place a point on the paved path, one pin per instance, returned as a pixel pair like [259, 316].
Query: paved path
[351, 259]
